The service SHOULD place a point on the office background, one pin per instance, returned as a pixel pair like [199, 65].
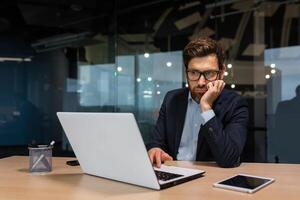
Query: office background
[123, 56]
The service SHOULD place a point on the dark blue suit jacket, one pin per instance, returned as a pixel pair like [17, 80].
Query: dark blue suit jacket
[221, 139]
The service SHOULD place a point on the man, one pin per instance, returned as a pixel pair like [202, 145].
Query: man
[204, 122]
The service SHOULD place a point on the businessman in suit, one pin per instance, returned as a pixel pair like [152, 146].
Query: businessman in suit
[203, 122]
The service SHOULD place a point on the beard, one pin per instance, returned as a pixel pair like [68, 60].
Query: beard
[197, 92]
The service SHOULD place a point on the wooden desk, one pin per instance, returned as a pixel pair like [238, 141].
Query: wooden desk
[66, 182]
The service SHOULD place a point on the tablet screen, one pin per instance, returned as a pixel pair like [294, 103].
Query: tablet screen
[245, 181]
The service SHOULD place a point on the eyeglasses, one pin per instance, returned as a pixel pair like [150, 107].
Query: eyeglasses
[194, 75]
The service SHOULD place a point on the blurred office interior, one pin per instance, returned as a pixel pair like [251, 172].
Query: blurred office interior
[123, 56]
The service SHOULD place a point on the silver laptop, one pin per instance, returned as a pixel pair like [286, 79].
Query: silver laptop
[110, 145]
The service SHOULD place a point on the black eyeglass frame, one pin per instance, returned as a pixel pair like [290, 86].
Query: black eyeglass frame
[202, 73]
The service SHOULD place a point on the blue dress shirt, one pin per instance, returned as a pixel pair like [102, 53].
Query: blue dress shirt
[193, 119]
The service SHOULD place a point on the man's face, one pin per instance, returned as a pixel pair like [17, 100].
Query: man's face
[207, 64]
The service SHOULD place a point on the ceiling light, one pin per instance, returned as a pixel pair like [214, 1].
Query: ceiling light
[267, 76]
[272, 65]
[273, 71]
[229, 66]
[138, 79]
[225, 73]
[149, 79]
[146, 55]
[119, 69]
[27, 59]
[15, 59]
[147, 92]
[232, 86]
[169, 64]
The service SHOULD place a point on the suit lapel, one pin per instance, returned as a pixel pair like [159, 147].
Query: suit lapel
[218, 103]
[201, 150]
[182, 102]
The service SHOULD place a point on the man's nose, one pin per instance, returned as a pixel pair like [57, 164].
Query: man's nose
[201, 81]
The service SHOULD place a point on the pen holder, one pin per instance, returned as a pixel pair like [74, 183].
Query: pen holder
[40, 158]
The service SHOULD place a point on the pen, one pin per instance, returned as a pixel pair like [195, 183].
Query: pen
[37, 161]
[51, 143]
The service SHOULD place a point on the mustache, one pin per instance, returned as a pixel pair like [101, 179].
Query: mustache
[199, 87]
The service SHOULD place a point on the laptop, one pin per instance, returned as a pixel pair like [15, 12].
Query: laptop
[110, 145]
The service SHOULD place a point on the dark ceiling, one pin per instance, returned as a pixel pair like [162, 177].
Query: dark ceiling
[33, 20]
[39, 18]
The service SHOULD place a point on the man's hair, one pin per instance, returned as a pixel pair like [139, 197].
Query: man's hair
[201, 47]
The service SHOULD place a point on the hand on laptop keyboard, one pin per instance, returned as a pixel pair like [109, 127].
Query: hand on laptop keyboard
[158, 156]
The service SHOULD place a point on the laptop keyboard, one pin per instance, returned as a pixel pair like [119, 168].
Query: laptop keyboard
[164, 176]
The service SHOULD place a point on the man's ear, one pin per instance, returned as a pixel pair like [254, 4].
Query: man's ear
[222, 71]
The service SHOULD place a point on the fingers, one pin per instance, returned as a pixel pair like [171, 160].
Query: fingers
[218, 86]
[214, 90]
[151, 155]
[209, 85]
[158, 156]
[223, 85]
[158, 159]
[166, 157]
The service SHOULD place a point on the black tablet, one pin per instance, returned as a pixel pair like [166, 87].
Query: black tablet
[244, 183]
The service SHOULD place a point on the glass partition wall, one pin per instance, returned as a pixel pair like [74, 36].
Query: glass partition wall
[133, 60]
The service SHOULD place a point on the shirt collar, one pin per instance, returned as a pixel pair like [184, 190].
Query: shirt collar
[190, 99]
[190, 96]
